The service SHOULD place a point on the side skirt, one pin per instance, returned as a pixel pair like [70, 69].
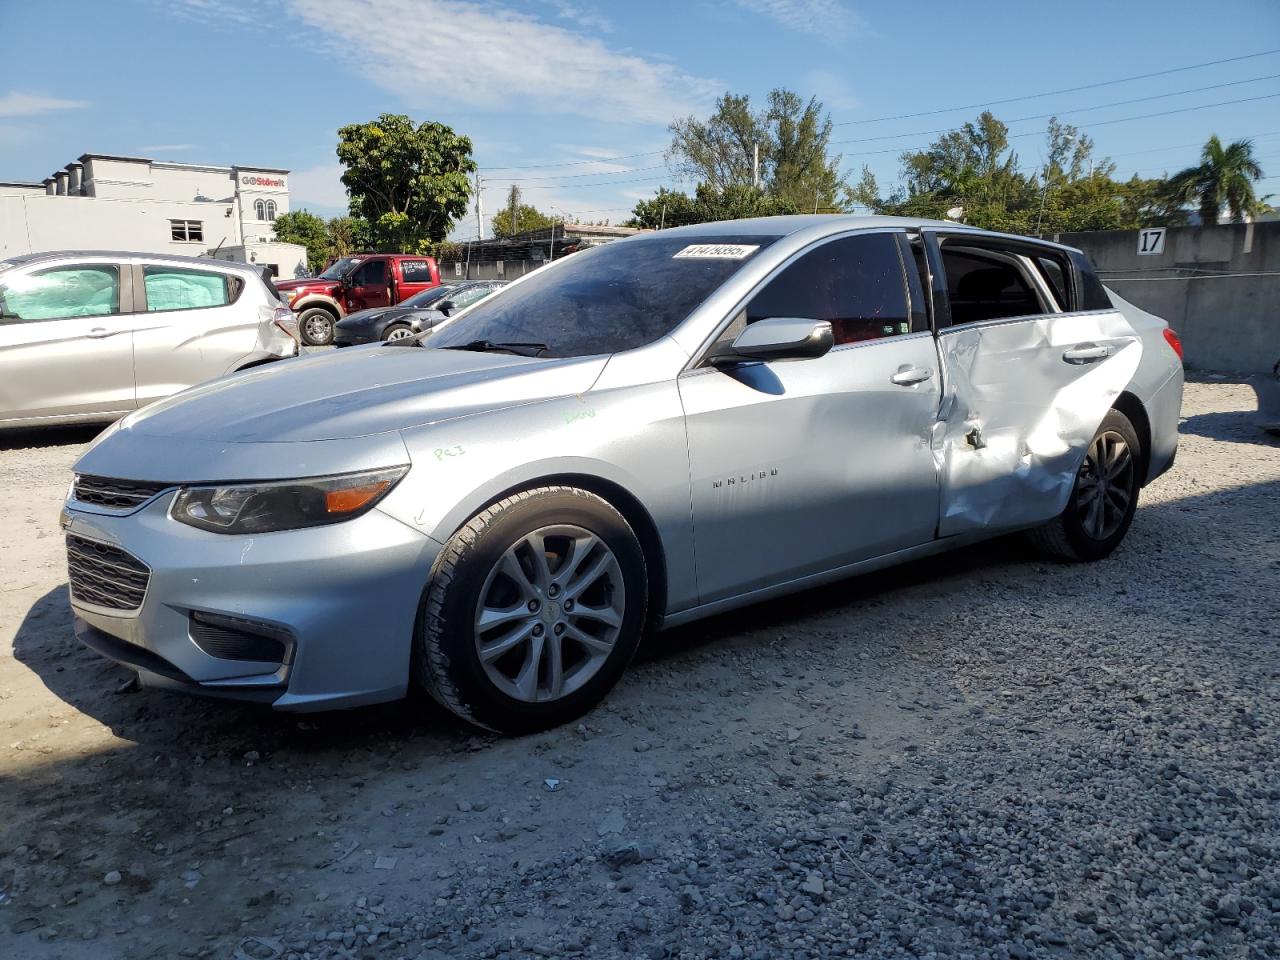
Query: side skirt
[827, 576]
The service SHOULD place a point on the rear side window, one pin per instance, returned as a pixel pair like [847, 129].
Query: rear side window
[856, 283]
[416, 271]
[84, 291]
[1055, 277]
[981, 287]
[175, 288]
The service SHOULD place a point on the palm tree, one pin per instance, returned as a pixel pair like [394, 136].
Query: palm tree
[1225, 176]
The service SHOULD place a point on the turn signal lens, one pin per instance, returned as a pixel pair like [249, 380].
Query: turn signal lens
[1171, 338]
[284, 504]
[354, 498]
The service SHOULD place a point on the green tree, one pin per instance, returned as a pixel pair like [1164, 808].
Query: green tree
[792, 136]
[300, 226]
[669, 208]
[516, 217]
[347, 235]
[1224, 177]
[410, 183]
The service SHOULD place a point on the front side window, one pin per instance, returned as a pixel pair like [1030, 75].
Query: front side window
[856, 283]
[84, 291]
[983, 286]
[416, 271]
[173, 288]
[187, 230]
[613, 297]
[470, 295]
[371, 274]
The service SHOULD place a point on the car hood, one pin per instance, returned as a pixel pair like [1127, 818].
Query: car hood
[309, 284]
[345, 394]
[376, 314]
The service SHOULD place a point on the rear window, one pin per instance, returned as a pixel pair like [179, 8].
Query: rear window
[416, 271]
[175, 288]
[618, 296]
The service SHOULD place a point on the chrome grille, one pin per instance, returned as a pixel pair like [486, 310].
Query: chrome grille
[105, 576]
[117, 494]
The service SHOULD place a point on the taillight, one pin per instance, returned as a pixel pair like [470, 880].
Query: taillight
[1171, 338]
[286, 320]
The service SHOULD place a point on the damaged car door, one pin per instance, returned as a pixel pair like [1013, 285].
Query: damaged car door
[1033, 356]
[806, 465]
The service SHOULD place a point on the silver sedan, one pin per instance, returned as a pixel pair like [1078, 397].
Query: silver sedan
[642, 434]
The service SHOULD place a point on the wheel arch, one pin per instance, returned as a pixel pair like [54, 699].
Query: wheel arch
[317, 300]
[632, 510]
[1128, 404]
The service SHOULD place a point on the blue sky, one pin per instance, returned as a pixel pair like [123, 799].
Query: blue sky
[549, 89]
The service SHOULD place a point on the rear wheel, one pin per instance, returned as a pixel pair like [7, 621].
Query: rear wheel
[316, 324]
[535, 607]
[397, 331]
[1104, 498]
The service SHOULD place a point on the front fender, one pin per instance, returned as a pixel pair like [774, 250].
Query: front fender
[632, 438]
[318, 300]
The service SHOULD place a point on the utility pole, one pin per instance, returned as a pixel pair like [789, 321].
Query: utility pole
[479, 215]
[515, 201]
[755, 165]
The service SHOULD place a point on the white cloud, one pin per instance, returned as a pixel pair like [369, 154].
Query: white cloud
[33, 104]
[582, 16]
[823, 18]
[832, 89]
[217, 12]
[166, 147]
[320, 185]
[494, 57]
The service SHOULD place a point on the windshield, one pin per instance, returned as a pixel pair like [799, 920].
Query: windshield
[427, 297]
[617, 296]
[339, 268]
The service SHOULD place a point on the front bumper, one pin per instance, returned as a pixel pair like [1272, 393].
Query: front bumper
[343, 597]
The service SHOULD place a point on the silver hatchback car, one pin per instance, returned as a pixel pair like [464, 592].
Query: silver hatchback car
[90, 336]
[644, 433]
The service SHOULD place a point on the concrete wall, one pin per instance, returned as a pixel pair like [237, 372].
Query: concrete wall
[1218, 287]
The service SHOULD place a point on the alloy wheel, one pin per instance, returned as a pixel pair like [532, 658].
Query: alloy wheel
[400, 333]
[317, 329]
[549, 613]
[1105, 488]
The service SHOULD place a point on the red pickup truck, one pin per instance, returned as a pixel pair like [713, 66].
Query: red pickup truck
[355, 283]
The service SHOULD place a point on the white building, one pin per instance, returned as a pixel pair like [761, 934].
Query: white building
[152, 206]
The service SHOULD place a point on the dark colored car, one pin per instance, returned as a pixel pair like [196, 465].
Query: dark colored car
[420, 312]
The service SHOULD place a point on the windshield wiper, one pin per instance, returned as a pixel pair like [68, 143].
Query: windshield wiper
[520, 349]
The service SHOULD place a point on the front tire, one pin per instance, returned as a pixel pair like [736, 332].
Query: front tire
[1103, 500]
[534, 609]
[397, 331]
[316, 324]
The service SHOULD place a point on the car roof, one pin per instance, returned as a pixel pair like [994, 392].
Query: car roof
[784, 226]
[50, 255]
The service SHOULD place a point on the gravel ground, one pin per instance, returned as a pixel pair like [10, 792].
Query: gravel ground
[979, 755]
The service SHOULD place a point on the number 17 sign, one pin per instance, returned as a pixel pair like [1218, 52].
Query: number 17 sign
[1151, 241]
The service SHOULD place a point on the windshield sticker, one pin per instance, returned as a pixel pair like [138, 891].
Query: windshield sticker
[717, 251]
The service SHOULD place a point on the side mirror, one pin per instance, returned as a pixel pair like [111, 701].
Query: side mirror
[447, 307]
[777, 338]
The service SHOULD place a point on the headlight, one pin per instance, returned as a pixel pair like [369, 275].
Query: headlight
[284, 504]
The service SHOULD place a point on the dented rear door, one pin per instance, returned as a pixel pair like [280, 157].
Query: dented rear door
[1022, 397]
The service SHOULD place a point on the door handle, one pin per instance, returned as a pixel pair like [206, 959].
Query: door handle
[908, 375]
[1086, 353]
[97, 333]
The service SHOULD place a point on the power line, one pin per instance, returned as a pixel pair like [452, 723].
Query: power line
[576, 163]
[1056, 113]
[1052, 93]
[598, 173]
[929, 113]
